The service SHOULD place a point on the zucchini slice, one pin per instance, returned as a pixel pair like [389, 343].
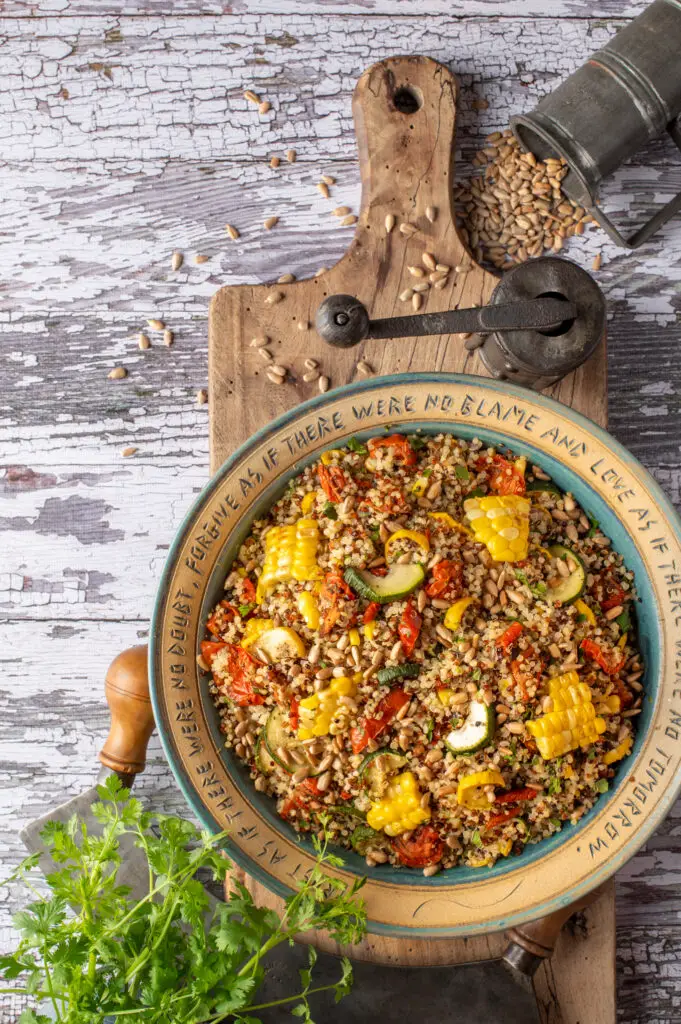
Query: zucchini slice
[376, 769]
[410, 670]
[348, 810]
[280, 643]
[570, 587]
[543, 485]
[476, 731]
[363, 838]
[276, 734]
[399, 581]
[264, 760]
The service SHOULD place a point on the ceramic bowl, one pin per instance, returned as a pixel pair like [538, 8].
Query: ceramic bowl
[581, 458]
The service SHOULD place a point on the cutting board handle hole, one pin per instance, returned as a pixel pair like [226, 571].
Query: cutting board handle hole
[407, 100]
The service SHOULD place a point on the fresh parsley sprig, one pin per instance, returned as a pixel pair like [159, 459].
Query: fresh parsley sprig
[91, 951]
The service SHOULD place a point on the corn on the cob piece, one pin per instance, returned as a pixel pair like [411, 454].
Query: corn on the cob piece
[572, 721]
[502, 523]
[254, 629]
[400, 809]
[309, 609]
[290, 553]
[319, 709]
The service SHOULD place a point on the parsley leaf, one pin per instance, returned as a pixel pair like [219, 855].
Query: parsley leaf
[477, 492]
[355, 445]
[330, 511]
[476, 675]
[430, 728]
[244, 609]
[554, 787]
[624, 621]
[462, 473]
[475, 838]
[595, 525]
[602, 786]
[417, 442]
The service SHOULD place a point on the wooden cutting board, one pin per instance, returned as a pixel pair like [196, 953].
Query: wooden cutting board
[405, 113]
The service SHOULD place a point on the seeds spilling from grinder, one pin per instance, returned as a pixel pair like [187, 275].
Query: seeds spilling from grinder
[514, 208]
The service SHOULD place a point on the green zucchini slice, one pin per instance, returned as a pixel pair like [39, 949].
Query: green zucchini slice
[410, 670]
[363, 838]
[475, 732]
[547, 486]
[376, 769]
[572, 586]
[264, 760]
[276, 735]
[398, 582]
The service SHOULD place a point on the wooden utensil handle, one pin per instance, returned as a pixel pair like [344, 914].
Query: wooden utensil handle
[132, 717]
[539, 937]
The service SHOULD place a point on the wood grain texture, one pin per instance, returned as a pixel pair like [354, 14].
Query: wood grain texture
[406, 165]
[98, 190]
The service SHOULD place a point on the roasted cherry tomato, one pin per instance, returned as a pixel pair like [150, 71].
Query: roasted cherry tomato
[423, 847]
[610, 661]
[404, 453]
[240, 670]
[248, 588]
[370, 612]
[333, 591]
[522, 675]
[300, 797]
[386, 710]
[209, 648]
[446, 580]
[608, 591]
[510, 635]
[500, 819]
[515, 796]
[229, 613]
[409, 627]
[293, 715]
[503, 475]
[333, 481]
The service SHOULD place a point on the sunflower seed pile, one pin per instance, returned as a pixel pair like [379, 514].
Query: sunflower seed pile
[514, 208]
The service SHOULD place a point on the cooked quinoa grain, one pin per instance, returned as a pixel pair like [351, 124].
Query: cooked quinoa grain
[431, 644]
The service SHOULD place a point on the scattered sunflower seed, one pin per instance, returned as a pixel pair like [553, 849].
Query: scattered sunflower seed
[474, 341]
[291, 155]
[286, 279]
[322, 270]
[328, 179]
[303, 325]
[201, 396]
[156, 325]
[273, 298]
[265, 354]
[143, 341]
[442, 283]
[431, 213]
[264, 107]
[176, 260]
[423, 286]
[341, 211]
[311, 364]
[232, 231]
[252, 97]
[168, 337]
[416, 271]
[428, 260]
[269, 223]
[598, 259]
[442, 268]
[364, 367]
[274, 162]
[128, 451]
[323, 189]
[274, 378]
[406, 294]
[323, 384]
[258, 342]
[118, 373]
[408, 229]
[389, 222]
[201, 258]
[310, 376]
[350, 219]
[416, 301]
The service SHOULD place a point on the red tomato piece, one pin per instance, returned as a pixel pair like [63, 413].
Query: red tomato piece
[503, 476]
[241, 668]
[333, 481]
[608, 591]
[514, 796]
[424, 847]
[230, 613]
[610, 661]
[500, 819]
[248, 588]
[409, 627]
[300, 797]
[446, 580]
[333, 591]
[521, 674]
[370, 612]
[386, 710]
[209, 648]
[404, 452]
[293, 715]
[510, 635]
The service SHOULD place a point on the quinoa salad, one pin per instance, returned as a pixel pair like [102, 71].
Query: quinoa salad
[428, 650]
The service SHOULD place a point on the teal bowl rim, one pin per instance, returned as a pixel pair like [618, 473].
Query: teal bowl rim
[437, 882]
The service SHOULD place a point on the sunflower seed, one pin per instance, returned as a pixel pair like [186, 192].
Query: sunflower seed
[311, 376]
[416, 302]
[155, 325]
[143, 341]
[597, 260]
[273, 298]
[176, 260]
[274, 162]
[439, 285]
[432, 869]
[201, 258]
[436, 276]
[389, 222]
[422, 287]
[118, 373]
[612, 613]
[323, 384]
[516, 728]
[341, 211]
[269, 223]
[406, 294]
[416, 271]
[421, 600]
[303, 325]
[286, 279]
[474, 341]
[264, 107]
[323, 189]
[350, 219]
[364, 367]
[311, 364]
[408, 229]
[201, 396]
[428, 260]
[127, 452]
[322, 270]
[431, 213]
[328, 179]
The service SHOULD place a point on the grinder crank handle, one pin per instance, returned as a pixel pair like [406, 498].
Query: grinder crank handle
[132, 717]
[535, 941]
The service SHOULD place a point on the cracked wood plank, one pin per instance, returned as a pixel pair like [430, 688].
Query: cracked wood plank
[146, 87]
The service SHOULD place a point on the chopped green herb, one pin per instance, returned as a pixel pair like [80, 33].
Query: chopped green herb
[477, 492]
[624, 621]
[427, 471]
[375, 535]
[475, 838]
[594, 525]
[602, 786]
[556, 822]
[430, 728]
[581, 618]
[329, 510]
[417, 442]
[476, 675]
[355, 445]
[462, 473]
[591, 755]
[554, 787]
[244, 609]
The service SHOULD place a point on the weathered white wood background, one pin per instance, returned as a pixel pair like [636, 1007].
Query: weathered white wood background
[123, 136]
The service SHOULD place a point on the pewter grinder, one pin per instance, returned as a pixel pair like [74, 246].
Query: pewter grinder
[625, 95]
[545, 318]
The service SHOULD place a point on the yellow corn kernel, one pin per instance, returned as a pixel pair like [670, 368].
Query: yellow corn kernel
[450, 521]
[470, 792]
[290, 553]
[456, 610]
[309, 609]
[620, 751]
[254, 629]
[369, 629]
[330, 456]
[420, 539]
[567, 771]
[505, 847]
[611, 705]
[445, 695]
[582, 608]
[502, 523]
[571, 723]
[317, 711]
[307, 504]
[354, 637]
[400, 809]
